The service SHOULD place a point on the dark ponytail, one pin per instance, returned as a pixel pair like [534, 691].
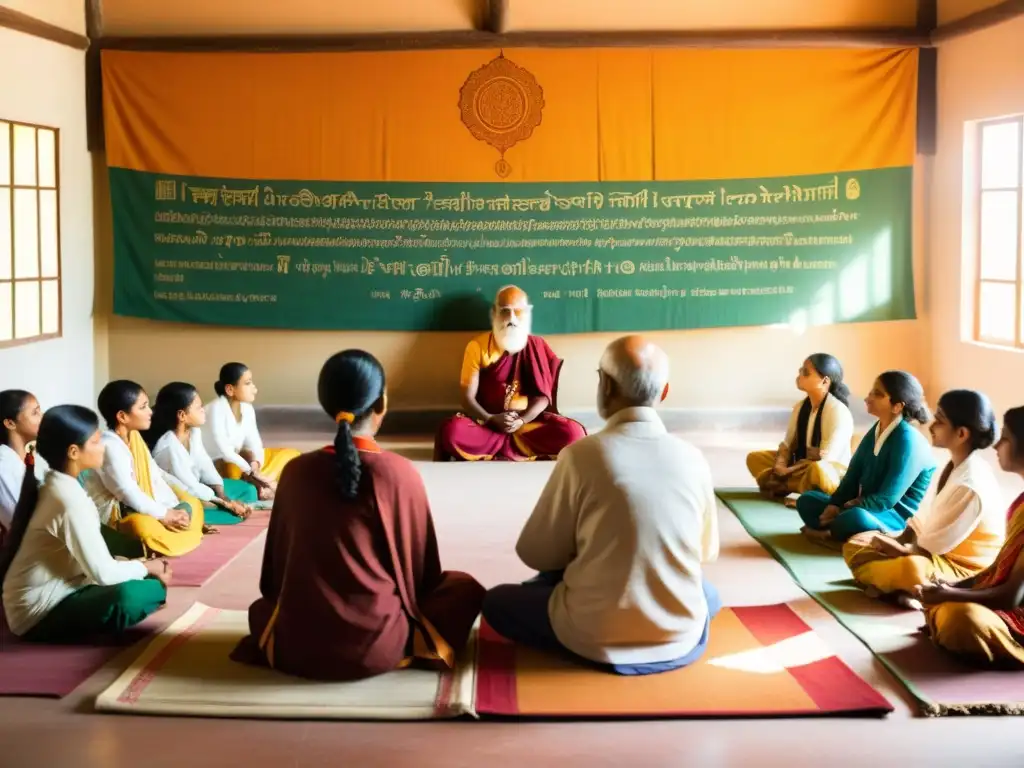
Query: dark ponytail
[902, 387]
[12, 402]
[170, 400]
[61, 427]
[827, 365]
[230, 375]
[351, 385]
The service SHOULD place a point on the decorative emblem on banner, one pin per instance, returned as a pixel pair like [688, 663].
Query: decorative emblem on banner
[501, 104]
[852, 189]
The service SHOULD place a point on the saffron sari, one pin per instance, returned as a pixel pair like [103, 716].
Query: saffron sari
[508, 384]
[995, 637]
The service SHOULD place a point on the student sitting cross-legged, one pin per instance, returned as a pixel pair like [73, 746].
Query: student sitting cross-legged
[889, 473]
[60, 582]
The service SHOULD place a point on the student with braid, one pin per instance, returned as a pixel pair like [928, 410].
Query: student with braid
[351, 584]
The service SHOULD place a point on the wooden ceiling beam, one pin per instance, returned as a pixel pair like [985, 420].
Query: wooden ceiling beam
[782, 38]
[496, 16]
[977, 21]
[22, 22]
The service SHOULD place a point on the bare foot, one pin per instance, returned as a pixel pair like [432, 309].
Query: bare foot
[209, 530]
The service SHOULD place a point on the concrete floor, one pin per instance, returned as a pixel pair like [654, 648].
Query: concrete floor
[478, 511]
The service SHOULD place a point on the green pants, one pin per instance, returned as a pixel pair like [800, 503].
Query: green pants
[239, 490]
[95, 610]
[122, 545]
[236, 490]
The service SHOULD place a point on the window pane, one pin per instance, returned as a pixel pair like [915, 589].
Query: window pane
[5, 234]
[1000, 155]
[999, 227]
[47, 158]
[24, 155]
[26, 234]
[997, 311]
[5, 153]
[51, 306]
[48, 231]
[26, 309]
[6, 313]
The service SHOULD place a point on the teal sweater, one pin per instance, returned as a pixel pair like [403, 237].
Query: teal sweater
[896, 479]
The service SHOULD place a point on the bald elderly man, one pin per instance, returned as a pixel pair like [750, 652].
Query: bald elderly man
[619, 535]
[509, 391]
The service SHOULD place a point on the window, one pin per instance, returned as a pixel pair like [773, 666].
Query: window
[30, 291]
[998, 301]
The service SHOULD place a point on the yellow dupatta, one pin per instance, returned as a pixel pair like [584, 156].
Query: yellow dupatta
[155, 537]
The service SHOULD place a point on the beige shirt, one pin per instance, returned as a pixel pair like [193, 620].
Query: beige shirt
[630, 514]
[63, 551]
[836, 430]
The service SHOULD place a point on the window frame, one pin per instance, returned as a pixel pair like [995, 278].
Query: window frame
[979, 281]
[40, 280]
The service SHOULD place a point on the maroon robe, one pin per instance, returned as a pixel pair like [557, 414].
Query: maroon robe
[335, 606]
[531, 373]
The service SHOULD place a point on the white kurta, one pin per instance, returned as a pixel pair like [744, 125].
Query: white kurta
[836, 430]
[115, 482]
[630, 514]
[12, 475]
[192, 467]
[63, 551]
[970, 498]
[227, 436]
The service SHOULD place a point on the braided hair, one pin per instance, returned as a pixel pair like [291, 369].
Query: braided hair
[351, 385]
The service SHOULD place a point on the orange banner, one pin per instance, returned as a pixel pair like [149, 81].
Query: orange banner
[571, 114]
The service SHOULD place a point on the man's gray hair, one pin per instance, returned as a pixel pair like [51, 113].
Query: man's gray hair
[641, 373]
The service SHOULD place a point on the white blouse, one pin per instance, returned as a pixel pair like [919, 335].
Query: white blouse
[63, 551]
[192, 466]
[227, 436]
[12, 475]
[969, 499]
[115, 482]
[836, 430]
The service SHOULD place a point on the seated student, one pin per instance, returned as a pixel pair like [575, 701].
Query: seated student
[981, 618]
[60, 584]
[889, 473]
[233, 439]
[509, 387]
[961, 532]
[618, 535]
[816, 449]
[352, 584]
[20, 415]
[176, 441]
[134, 496]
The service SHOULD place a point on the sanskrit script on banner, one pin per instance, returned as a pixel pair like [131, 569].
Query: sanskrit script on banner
[594, 256]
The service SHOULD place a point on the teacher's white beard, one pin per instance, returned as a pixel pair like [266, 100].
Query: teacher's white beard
[511, 336]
